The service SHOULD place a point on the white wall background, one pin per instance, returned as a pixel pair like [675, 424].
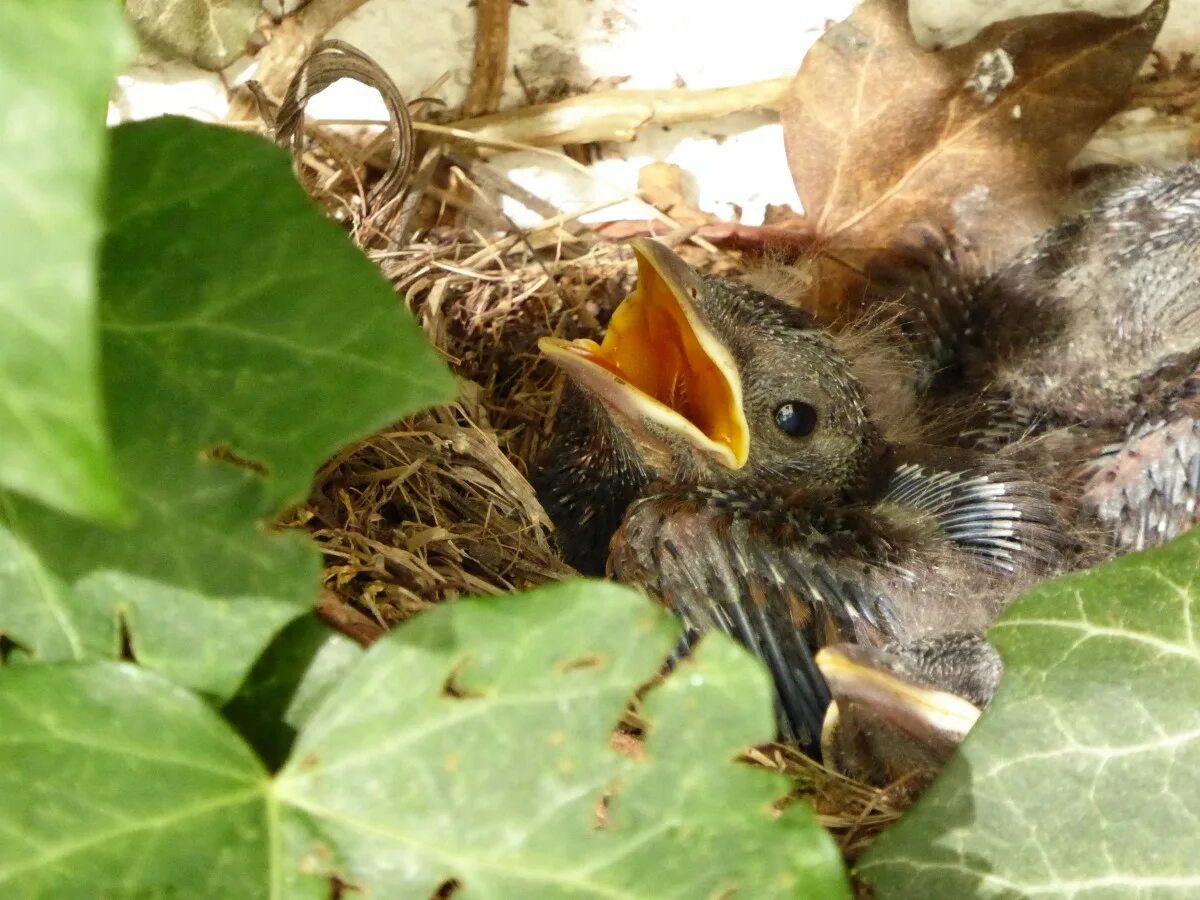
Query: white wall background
[735, 163]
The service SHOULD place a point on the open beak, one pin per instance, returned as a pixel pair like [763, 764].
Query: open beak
[660, 365]
[881, 725]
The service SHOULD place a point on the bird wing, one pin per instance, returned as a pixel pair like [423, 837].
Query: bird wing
[1143, 491]
[999, 516]
[780, 577]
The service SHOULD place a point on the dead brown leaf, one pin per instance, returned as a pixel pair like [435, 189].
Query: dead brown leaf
[663, 185]
[881, 133]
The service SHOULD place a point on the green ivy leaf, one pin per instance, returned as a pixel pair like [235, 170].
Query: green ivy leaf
[1083, 776]
[245, 339]
[474, 743]
[210, 33]
[119, 784]
[57, 62]
[287, 683]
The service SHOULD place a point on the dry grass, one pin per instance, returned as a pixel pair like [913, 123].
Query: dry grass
[439, 506]
[425, 511]
[855, 813]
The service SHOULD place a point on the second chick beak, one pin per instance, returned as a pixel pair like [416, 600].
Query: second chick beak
[660, 368]
[883, 726]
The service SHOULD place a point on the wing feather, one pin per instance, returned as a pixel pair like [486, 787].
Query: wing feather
[744, 570]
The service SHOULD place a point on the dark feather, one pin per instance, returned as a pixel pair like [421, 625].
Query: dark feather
[586, 481]
[1001, 517]
[934, 277]
[772, 574]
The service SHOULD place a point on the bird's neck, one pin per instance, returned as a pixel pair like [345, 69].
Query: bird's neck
[591, 473]
[878, 460]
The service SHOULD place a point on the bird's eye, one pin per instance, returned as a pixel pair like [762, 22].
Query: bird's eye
[796, 418]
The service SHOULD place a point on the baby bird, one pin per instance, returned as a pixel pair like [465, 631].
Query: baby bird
[1092, 339]
[1089, 342]
[732, 458]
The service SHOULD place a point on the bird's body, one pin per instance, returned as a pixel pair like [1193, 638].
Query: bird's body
[1092, 338]
[810, 523]
[588, 480]
[786, 575]
[761, 476]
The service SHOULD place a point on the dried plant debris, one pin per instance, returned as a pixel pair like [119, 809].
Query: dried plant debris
[978, 138]
[372, 181]
[1160, 126]
[430, 510]
[440, 506]
[329, 62]
[856, 813]
[1169, 87]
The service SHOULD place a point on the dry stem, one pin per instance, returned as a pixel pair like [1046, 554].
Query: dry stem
[491, 57]
[618, 115]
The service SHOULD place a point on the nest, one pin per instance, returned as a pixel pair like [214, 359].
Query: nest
[440, 505]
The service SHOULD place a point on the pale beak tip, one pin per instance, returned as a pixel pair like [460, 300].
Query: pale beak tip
[641, 245]
[555, 348]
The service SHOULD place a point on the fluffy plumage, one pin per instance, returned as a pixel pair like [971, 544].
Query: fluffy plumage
[1091, 337]
[848, 533]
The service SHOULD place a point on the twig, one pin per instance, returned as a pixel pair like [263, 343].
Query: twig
[339, 614]
[471, 138]
[401, 227]
[289, 46]
[491, 57]
[784, 243]
[330, 61]
[487, 176]
[600, 116]
[618, 115]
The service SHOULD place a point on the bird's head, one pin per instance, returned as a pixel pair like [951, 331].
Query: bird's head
[888, 723]
[713, 380]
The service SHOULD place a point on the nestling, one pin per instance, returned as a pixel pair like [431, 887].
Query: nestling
[1092, 339]
[737, 461]
[1088, 343]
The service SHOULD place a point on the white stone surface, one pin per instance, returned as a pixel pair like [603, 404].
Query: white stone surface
[736, 163]
[651, 43]
[937, 23]
[948, 23]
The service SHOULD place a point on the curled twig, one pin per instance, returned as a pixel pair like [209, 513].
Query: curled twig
[330, 61]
